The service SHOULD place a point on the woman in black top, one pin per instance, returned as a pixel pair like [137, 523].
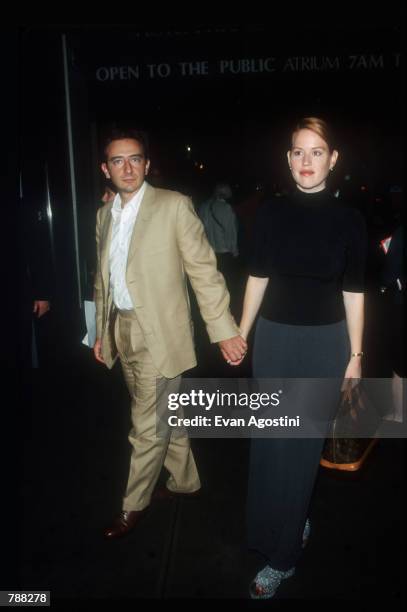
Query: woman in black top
[306, 282]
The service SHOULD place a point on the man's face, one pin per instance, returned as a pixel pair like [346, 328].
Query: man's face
[126, 166]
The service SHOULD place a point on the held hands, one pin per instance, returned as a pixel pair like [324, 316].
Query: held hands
[233, 350]
[97, 350]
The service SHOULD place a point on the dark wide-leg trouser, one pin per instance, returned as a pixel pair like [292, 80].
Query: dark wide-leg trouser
[283, 470]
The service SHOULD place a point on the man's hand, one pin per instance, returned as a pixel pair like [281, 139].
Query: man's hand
[97, 350]
[40, 307]
[233, 350]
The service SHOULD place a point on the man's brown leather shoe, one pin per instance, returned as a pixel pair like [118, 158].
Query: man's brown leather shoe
[124, 523]
[162, 493]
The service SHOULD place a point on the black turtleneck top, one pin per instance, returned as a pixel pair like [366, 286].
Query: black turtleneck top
[312, 248]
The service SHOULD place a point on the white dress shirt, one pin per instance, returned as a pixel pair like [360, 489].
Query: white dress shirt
[122, 230]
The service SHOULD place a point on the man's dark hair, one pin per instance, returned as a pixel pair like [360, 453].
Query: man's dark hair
[119, 133]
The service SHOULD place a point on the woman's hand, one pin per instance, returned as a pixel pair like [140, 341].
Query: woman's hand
[353, 374]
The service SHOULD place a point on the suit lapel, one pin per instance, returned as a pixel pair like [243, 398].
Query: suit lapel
[147, 209]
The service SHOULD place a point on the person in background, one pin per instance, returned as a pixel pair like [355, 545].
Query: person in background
[393, 288]
[109, 194]
[219, 220]
[37, 283]
[221, 228]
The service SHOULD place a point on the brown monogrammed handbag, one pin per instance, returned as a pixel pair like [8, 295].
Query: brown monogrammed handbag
[356, 416]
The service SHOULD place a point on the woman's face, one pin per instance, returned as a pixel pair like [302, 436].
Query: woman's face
[310, 160]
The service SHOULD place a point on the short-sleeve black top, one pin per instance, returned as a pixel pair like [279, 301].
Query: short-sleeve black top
[312, 247]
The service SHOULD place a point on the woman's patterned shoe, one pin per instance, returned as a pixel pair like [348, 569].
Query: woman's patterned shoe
[307, 531]
[267, 582]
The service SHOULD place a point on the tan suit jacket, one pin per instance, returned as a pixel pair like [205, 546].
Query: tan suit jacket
[168, 242]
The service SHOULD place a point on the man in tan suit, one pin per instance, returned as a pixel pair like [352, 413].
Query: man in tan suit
[148, 240]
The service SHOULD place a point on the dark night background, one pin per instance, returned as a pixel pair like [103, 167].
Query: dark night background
[236, 124]
[74, 421]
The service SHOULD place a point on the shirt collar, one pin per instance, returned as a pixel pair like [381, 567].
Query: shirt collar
[131, 204]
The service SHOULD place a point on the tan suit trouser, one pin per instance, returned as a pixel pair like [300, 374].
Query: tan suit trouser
[148, 390]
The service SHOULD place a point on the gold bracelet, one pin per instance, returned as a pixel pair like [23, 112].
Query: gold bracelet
[357, 354]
